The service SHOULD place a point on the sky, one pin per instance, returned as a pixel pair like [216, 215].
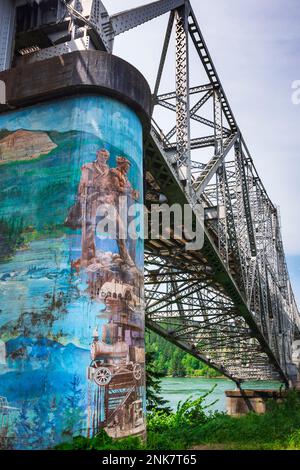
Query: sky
[255, 47]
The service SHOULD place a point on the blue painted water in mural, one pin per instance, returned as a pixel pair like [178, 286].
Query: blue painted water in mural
[71, 304]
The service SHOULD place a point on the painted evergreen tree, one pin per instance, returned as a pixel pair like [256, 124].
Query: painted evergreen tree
[74, 409]
[23, 424]
[43, 422]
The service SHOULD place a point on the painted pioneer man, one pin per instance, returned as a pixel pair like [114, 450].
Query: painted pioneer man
[101, 186]
[123, 190]
[95, 175]
[94, 191]
[120, 180]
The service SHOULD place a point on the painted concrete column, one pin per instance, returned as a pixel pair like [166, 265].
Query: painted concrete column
[72, 358]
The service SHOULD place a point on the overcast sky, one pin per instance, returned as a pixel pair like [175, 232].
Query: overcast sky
[255, 47]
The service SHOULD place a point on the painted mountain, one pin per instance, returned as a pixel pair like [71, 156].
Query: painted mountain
[25, 145]
[31, 361]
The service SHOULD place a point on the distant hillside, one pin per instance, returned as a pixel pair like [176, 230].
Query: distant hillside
[69, 136]
[172, 361]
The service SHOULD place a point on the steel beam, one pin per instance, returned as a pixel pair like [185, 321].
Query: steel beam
[129, 19]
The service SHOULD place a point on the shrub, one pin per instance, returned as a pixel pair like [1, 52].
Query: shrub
[191, 424]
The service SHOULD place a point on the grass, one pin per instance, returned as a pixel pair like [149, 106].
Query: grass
[192, 425]
[278, 428]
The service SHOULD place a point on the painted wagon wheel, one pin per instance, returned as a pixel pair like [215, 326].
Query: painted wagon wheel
[137, 371]
[102, 376]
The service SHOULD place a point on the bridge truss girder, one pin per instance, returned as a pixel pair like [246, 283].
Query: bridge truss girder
[232, 305]
[214, 303]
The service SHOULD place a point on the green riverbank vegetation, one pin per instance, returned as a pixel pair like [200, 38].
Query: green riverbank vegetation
[192, 426]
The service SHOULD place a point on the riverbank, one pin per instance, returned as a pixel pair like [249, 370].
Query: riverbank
[190, 427]
[277, 429]
[176, 389]
[190, 376]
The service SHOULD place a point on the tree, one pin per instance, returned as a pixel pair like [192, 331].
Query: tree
[191, 364]
[23, 424]
[176, 368]
[153, 383]
[42, 422]
[74, 410]
[170, 360]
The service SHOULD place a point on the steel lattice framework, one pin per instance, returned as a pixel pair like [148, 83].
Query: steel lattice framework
[229, 304]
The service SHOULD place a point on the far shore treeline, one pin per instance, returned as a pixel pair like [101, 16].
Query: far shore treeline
[168, 360]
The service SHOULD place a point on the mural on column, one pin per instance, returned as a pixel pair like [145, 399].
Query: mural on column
[71, 296]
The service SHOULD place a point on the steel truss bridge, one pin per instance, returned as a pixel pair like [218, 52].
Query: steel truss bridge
[231, 303]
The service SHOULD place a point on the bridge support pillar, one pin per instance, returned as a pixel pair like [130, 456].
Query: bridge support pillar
[236, 402]
[295, 366]
[72, 357]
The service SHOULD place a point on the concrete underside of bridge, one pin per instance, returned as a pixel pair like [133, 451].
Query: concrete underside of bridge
[77, 73]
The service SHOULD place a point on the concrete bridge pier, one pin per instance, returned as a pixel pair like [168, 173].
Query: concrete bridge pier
[296, 364]
[72, 358]
[240, 403]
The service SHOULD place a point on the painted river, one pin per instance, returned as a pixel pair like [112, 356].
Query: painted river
[180, 388]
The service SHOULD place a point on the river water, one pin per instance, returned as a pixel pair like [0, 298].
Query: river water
[176, 389]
